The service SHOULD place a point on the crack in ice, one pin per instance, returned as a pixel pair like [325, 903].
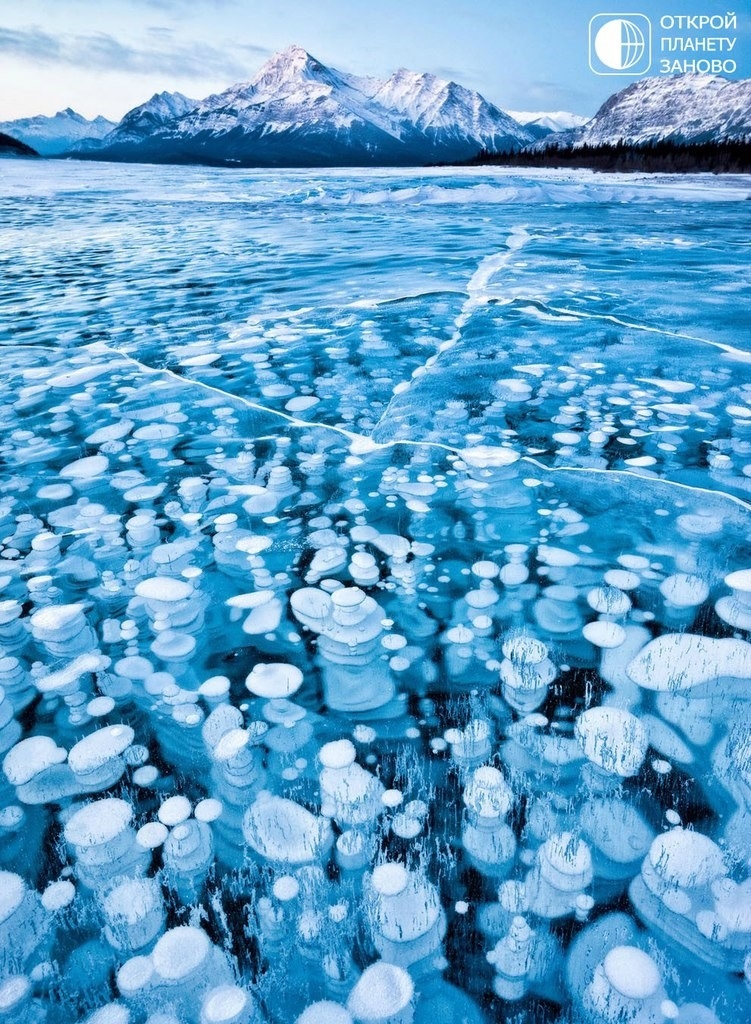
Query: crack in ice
[730, 350]
[477, 295]
[363, 444]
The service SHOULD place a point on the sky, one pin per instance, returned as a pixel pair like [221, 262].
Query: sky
[107, 56]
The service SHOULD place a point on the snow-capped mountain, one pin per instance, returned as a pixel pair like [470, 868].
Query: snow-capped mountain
[56, 134]
[297, 111]
[162, 108]
[445, 110]
[541, 123]
[679, 108]
[139, 123]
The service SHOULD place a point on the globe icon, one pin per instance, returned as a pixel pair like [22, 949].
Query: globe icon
[620, 44]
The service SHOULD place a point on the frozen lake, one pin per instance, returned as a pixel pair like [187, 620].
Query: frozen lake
[375, 595]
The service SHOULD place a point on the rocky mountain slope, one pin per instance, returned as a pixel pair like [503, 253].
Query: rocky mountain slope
[690, 108]
[299, 112]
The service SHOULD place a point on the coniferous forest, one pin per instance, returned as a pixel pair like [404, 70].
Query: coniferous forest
[664, 156]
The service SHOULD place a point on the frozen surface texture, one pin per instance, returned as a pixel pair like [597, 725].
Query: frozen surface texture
[375, 616]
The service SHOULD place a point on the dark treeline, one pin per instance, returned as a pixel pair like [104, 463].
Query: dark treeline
[715, 157]
[14, 147]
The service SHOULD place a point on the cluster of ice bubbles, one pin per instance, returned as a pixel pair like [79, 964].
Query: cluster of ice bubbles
[296, 731]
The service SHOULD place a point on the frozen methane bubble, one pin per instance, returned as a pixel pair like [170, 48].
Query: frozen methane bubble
[407, 921]
[626, 986]
[169, 601]
[526, 672]
[683, 661]
[67, 680]
[604, 634]
[350, 795]
[485, 456]
[10, 729]
[609, 602]
[227, 1004]
[83, 470]
[511, 958]
[183, 966]
[17, 1005]
[36, 767]
[383, 994]
[58, 895]
[562, 872]
[471, 745]
[151, 835]
[174, 810]
[735, 608]
[683, 594]
[134, 913]
[488, 841]
[104, 842]
[24, 923]
[325, 1012]
[187, 855]
[62, 630]
[684, 892]
[613, 739]
[96, 760]
[617, 832]
[274, 680]
[283, 832]
[348, 623]
[112, 1013]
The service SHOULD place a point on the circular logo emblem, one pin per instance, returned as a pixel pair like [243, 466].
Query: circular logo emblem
[620, 44]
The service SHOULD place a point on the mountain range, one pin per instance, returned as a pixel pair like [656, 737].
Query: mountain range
[683, 109]
[542, 123]
[297, 111]
[51, 136]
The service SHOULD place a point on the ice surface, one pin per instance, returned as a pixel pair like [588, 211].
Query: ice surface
[374, 617]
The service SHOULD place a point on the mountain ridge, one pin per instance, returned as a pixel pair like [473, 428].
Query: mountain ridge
[297, 111]
[53, 134]
[685, 109]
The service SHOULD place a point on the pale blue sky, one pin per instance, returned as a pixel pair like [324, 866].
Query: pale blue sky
[106, 56]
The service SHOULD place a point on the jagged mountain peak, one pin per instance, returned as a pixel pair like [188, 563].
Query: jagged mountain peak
[684, 108]
[299, 111]
[292, 58]
[162, 106]
[53, 134]
[550, 120]
[291, 65]
[419, 78]
[171, 100]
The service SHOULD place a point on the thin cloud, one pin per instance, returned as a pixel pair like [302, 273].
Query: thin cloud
[455, 74]
[463, 76]
[178, 6]
[103, 52]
